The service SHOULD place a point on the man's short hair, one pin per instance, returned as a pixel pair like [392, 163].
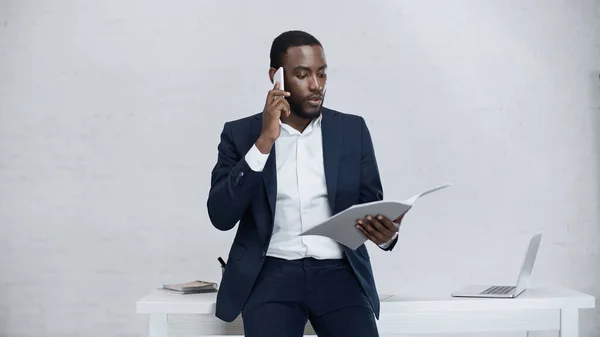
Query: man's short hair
[292, 38]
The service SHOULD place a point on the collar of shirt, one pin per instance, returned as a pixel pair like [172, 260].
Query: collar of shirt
[290, 131]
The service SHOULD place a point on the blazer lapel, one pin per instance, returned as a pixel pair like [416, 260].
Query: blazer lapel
[270, 180]
[331, 129]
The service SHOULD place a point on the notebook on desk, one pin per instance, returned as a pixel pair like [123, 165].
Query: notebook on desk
[507, 291]
[193, 287]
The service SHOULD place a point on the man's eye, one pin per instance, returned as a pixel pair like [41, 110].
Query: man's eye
[322, 75]
[301, 76]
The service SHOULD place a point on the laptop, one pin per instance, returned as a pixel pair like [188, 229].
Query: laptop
[507, 291]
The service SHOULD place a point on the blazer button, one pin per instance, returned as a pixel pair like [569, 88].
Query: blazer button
[241, 174]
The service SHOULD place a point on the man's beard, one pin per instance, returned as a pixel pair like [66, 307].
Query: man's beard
[298, 109]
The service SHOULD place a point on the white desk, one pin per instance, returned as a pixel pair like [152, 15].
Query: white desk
[537, 309]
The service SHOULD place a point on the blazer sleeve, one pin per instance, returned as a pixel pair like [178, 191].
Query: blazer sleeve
[370, 181]
[233, 184]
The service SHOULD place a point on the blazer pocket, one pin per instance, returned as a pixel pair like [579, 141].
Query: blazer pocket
[237, 251]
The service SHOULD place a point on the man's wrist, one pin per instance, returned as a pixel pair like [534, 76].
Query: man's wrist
[255, 159]
[264, 144]
[389, 242]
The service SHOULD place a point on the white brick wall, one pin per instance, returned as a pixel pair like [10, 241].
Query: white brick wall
[110, 113]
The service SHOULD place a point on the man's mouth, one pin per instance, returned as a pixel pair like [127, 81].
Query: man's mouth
[315, 100]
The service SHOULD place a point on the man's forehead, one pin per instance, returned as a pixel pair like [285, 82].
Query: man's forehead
[310, 56]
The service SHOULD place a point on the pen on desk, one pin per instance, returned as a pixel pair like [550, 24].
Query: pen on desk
[223, 264]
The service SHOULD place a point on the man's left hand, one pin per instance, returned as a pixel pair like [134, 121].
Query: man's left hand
[378, 228]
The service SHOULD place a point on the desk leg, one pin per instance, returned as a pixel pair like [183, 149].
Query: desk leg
[569, 323]
[158, 325]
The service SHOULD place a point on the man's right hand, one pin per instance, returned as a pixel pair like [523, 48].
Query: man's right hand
[275, 106]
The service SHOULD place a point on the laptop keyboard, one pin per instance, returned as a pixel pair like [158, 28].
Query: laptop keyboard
[499, 290]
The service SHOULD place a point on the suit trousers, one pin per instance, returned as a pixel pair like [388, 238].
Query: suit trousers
[288, 293]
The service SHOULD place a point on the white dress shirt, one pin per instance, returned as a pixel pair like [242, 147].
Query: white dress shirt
[302, 199]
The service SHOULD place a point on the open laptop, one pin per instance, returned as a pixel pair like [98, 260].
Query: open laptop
[507, 291]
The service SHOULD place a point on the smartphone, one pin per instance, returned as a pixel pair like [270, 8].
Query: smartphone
[278, 77]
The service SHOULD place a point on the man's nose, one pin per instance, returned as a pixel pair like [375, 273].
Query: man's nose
[315, 84]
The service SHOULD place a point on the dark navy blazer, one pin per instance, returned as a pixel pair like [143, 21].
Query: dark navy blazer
[238, 194]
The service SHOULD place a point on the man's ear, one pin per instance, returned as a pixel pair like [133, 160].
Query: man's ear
[272, 72]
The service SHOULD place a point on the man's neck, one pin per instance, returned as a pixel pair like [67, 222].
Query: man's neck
[296, 122]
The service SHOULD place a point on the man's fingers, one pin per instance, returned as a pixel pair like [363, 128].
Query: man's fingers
[368, 227]
[270, 95]
[280, 93]
[277, 102]
[368, 235]
[274, 93]
[386, 222]
[380, 227]
[375, 223]
[282, 105]
[285, 106]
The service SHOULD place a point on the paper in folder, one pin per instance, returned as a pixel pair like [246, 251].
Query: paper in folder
[342, 226]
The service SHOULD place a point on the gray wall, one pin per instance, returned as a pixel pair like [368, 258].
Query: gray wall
[110, 114]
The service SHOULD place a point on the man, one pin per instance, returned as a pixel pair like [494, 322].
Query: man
[280, 172]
